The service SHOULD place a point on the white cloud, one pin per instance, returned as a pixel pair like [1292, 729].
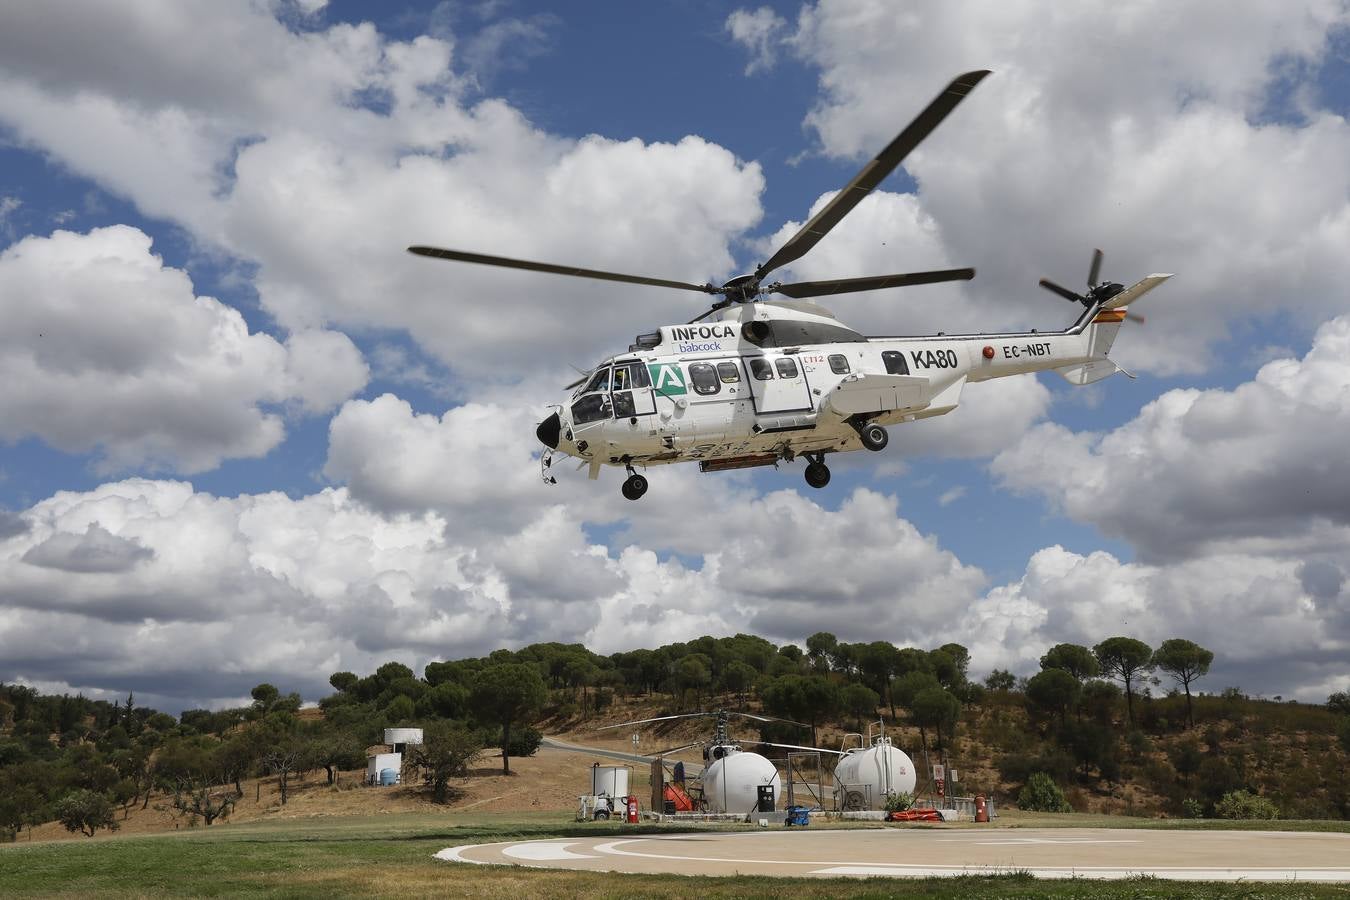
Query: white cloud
[1268, 633]
[1093, 132]
[105, 349]
[758, 31]
[320, 155]
[1261, 467]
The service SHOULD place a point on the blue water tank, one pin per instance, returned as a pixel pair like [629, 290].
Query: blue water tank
[388, 777]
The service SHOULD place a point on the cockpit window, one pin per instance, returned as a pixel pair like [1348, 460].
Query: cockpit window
[599, 381]
[631, 375]
[591, 408]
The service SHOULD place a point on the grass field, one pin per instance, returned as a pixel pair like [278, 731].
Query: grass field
[392, 856]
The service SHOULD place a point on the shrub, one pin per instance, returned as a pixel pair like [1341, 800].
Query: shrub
[524, 741]
[1041, 794]
[1242, 805]
[899, 801]
[1192, 808]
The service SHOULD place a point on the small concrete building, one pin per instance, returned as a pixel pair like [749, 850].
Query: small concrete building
[377, 763]
[402, 738]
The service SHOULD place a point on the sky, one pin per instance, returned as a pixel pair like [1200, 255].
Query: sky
[245, 437]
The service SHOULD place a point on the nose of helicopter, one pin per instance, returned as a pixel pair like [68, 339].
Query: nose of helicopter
[549, 430]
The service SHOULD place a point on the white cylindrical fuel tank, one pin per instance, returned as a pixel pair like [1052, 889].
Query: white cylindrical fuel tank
[610, 781]
[731, 783]
[863, 778]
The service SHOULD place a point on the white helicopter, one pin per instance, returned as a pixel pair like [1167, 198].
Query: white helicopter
[752, 382]
[732, 777]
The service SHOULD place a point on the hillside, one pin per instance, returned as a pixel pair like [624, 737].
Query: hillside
[1070, 727]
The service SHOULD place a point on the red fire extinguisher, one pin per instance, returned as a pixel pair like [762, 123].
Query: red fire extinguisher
[632, 809]
[981, 809]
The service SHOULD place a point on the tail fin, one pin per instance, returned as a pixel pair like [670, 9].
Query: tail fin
[1101, 333]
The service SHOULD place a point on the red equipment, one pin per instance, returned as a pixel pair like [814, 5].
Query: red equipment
[981, 809]
[632, 810]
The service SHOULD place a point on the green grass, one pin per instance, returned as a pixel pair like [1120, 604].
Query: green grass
[392, 856]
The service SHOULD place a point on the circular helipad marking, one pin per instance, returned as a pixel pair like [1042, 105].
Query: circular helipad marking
[1044, 853]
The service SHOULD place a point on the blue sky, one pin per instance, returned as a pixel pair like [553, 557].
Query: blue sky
[355, 425]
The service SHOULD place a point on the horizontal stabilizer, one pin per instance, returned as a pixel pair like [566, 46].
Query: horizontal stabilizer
[1135, 291]
[863, 394]
[1087, 373]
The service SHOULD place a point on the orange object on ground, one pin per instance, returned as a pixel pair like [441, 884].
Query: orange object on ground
[981, 809]
[914, 815]
[680, 798]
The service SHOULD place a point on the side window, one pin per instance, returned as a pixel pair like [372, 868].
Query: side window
[895, 363]
[641, 377]
[729, 372]
[760, 368]
[838, 364]
[787, 368]
[704, 378]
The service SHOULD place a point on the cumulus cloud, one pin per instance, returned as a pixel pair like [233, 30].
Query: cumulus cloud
[147, 583]
[105, 349]
[1253, 611]
[97, 550]
[1260, 467]
[1174, 166]
[319, 155]
[759, 31]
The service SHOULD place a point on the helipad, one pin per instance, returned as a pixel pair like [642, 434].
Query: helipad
[1045, 853]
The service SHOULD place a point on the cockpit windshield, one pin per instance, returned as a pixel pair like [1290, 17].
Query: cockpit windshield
[599, 381]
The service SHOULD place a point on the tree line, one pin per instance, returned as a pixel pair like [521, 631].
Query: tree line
[1080, 720]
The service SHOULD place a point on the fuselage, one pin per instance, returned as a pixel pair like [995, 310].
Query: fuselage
[770, 381]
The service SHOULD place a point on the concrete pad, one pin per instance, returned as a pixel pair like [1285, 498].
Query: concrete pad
[1045, 853]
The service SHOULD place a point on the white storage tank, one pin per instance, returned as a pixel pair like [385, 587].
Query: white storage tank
[609, 781]
[863, 778]
[401, 738]
[732, 780]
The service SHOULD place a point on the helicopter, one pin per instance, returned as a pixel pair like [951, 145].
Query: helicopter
[756, 380]
[732, 777]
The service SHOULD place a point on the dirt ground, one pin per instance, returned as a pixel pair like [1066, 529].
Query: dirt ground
[550, 780]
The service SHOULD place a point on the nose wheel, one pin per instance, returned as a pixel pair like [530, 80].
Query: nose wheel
[635, 486]
[817, 473]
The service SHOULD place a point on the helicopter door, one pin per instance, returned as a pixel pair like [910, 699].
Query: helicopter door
[778, 384]
[632, 391]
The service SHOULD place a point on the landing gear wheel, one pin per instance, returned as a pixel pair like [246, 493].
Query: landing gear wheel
[634, 487]
[873, 436]
[817, 474]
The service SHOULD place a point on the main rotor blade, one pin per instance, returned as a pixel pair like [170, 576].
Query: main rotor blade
[1062, 291]
[674, 749]
[796, 747]
[484, 259]
[804, 289]
[768, 719]
[1095, 269]
[873, 173]
[655, 719]
[1136, 290]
